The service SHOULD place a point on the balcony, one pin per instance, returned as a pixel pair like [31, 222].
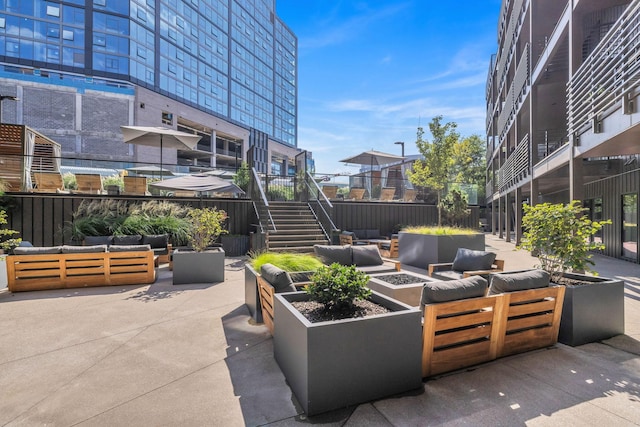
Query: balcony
[517, 168]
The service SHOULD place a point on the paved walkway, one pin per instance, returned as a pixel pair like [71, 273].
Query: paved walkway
[164, 355]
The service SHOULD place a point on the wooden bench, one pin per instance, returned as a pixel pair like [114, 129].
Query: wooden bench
[76, 270]
[463, 333]
[266, 292]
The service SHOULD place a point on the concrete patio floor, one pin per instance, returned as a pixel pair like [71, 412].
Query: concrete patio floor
[188, 355]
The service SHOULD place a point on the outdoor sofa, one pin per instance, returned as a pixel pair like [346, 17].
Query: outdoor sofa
[59, 267]
[468, 262]
[159, 243]
[366, 258]
[472, 320]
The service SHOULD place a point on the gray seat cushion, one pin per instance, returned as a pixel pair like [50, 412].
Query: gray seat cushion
[277, 277]
[329, 254]
[452, 290]
[470, 260]
[69, 249]
[129, 248]
[34, 250]
[366, 255]
[511, 281]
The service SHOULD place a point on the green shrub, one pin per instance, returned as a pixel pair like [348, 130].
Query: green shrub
[69, 181]
[338, 286]
[438, 231]
[560, 236]
[287, 261]
[7, 241]
[113, 180]
[205, 227]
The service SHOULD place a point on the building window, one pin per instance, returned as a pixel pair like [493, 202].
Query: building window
[67, 34]
[167, 118]
[53, 31]
[53, 11]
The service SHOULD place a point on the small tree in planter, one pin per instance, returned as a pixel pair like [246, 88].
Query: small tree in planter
[560, 235]
[7, 241]
[338, 355]
[202, 264]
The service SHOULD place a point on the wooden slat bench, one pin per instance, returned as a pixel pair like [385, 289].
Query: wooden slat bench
[463, 333]
[75, 270]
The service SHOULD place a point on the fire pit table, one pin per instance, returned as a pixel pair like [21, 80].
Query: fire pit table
[403, 286]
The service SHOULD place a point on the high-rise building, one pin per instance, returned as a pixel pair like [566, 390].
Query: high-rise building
[563, 114]
[224, 69]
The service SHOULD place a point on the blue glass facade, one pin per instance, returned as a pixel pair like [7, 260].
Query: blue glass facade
[231, 58]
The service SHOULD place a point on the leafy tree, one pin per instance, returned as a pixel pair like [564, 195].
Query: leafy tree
[434, 171]
[455, 207]
[206, 227]
[242, 177]
[468, 165]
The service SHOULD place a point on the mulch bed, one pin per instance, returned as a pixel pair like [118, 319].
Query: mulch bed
[315, 312]
[401, 279]
[567, 281]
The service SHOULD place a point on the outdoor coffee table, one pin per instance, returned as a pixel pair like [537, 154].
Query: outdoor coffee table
[403, 286]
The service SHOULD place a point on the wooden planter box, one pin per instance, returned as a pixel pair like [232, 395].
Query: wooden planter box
[334, 364]
[592, 312]
[420, 250]
[198, 267]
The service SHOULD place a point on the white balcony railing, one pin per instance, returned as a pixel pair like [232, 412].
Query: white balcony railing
[516, 168]
[608, 75]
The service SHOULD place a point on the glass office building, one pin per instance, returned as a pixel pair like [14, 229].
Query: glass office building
[225, 69]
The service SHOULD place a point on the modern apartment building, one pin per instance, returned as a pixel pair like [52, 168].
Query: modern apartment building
[223, 69]
[563, 114]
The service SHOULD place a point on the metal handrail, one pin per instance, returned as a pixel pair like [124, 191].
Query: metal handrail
[261, 198]
[309, 179]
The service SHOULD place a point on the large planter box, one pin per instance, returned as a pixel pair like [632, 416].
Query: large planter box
[198, 267]
[334, 364]
[420, 250]
[235, 245]
[592, 312]
[409, 294]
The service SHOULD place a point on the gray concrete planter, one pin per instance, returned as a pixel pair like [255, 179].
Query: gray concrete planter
[420, 250]
[409, 294]
[592, 312]
[330, 365]
[198, 267]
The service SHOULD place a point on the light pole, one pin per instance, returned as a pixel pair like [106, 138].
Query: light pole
[401, 143]
[2, 98]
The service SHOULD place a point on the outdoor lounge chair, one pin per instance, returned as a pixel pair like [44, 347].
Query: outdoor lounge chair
[356, 194]
[135, 185]
[48, 182]
[387, 193]
[88, 183]
[467, 263]
[330, 191]
[409, 195]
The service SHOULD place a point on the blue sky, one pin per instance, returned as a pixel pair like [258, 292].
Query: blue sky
[370, 72]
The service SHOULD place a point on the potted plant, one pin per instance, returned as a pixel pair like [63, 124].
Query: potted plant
[201, 263]
[339, 343]
[560, 236]
[420, 246]
[300, 266]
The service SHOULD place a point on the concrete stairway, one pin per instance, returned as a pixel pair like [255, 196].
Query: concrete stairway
[296, 228]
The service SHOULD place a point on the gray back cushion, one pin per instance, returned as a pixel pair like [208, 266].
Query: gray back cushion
[34, 250]
[470, 260]
[69, 249]
[518, 281]
[129, 248]
[366, 255]
[373, 233]
[156, 241]
[134, 239]
[329, 254]
[360, 234]
[98, 240]
[278, 278]
[452, 290]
